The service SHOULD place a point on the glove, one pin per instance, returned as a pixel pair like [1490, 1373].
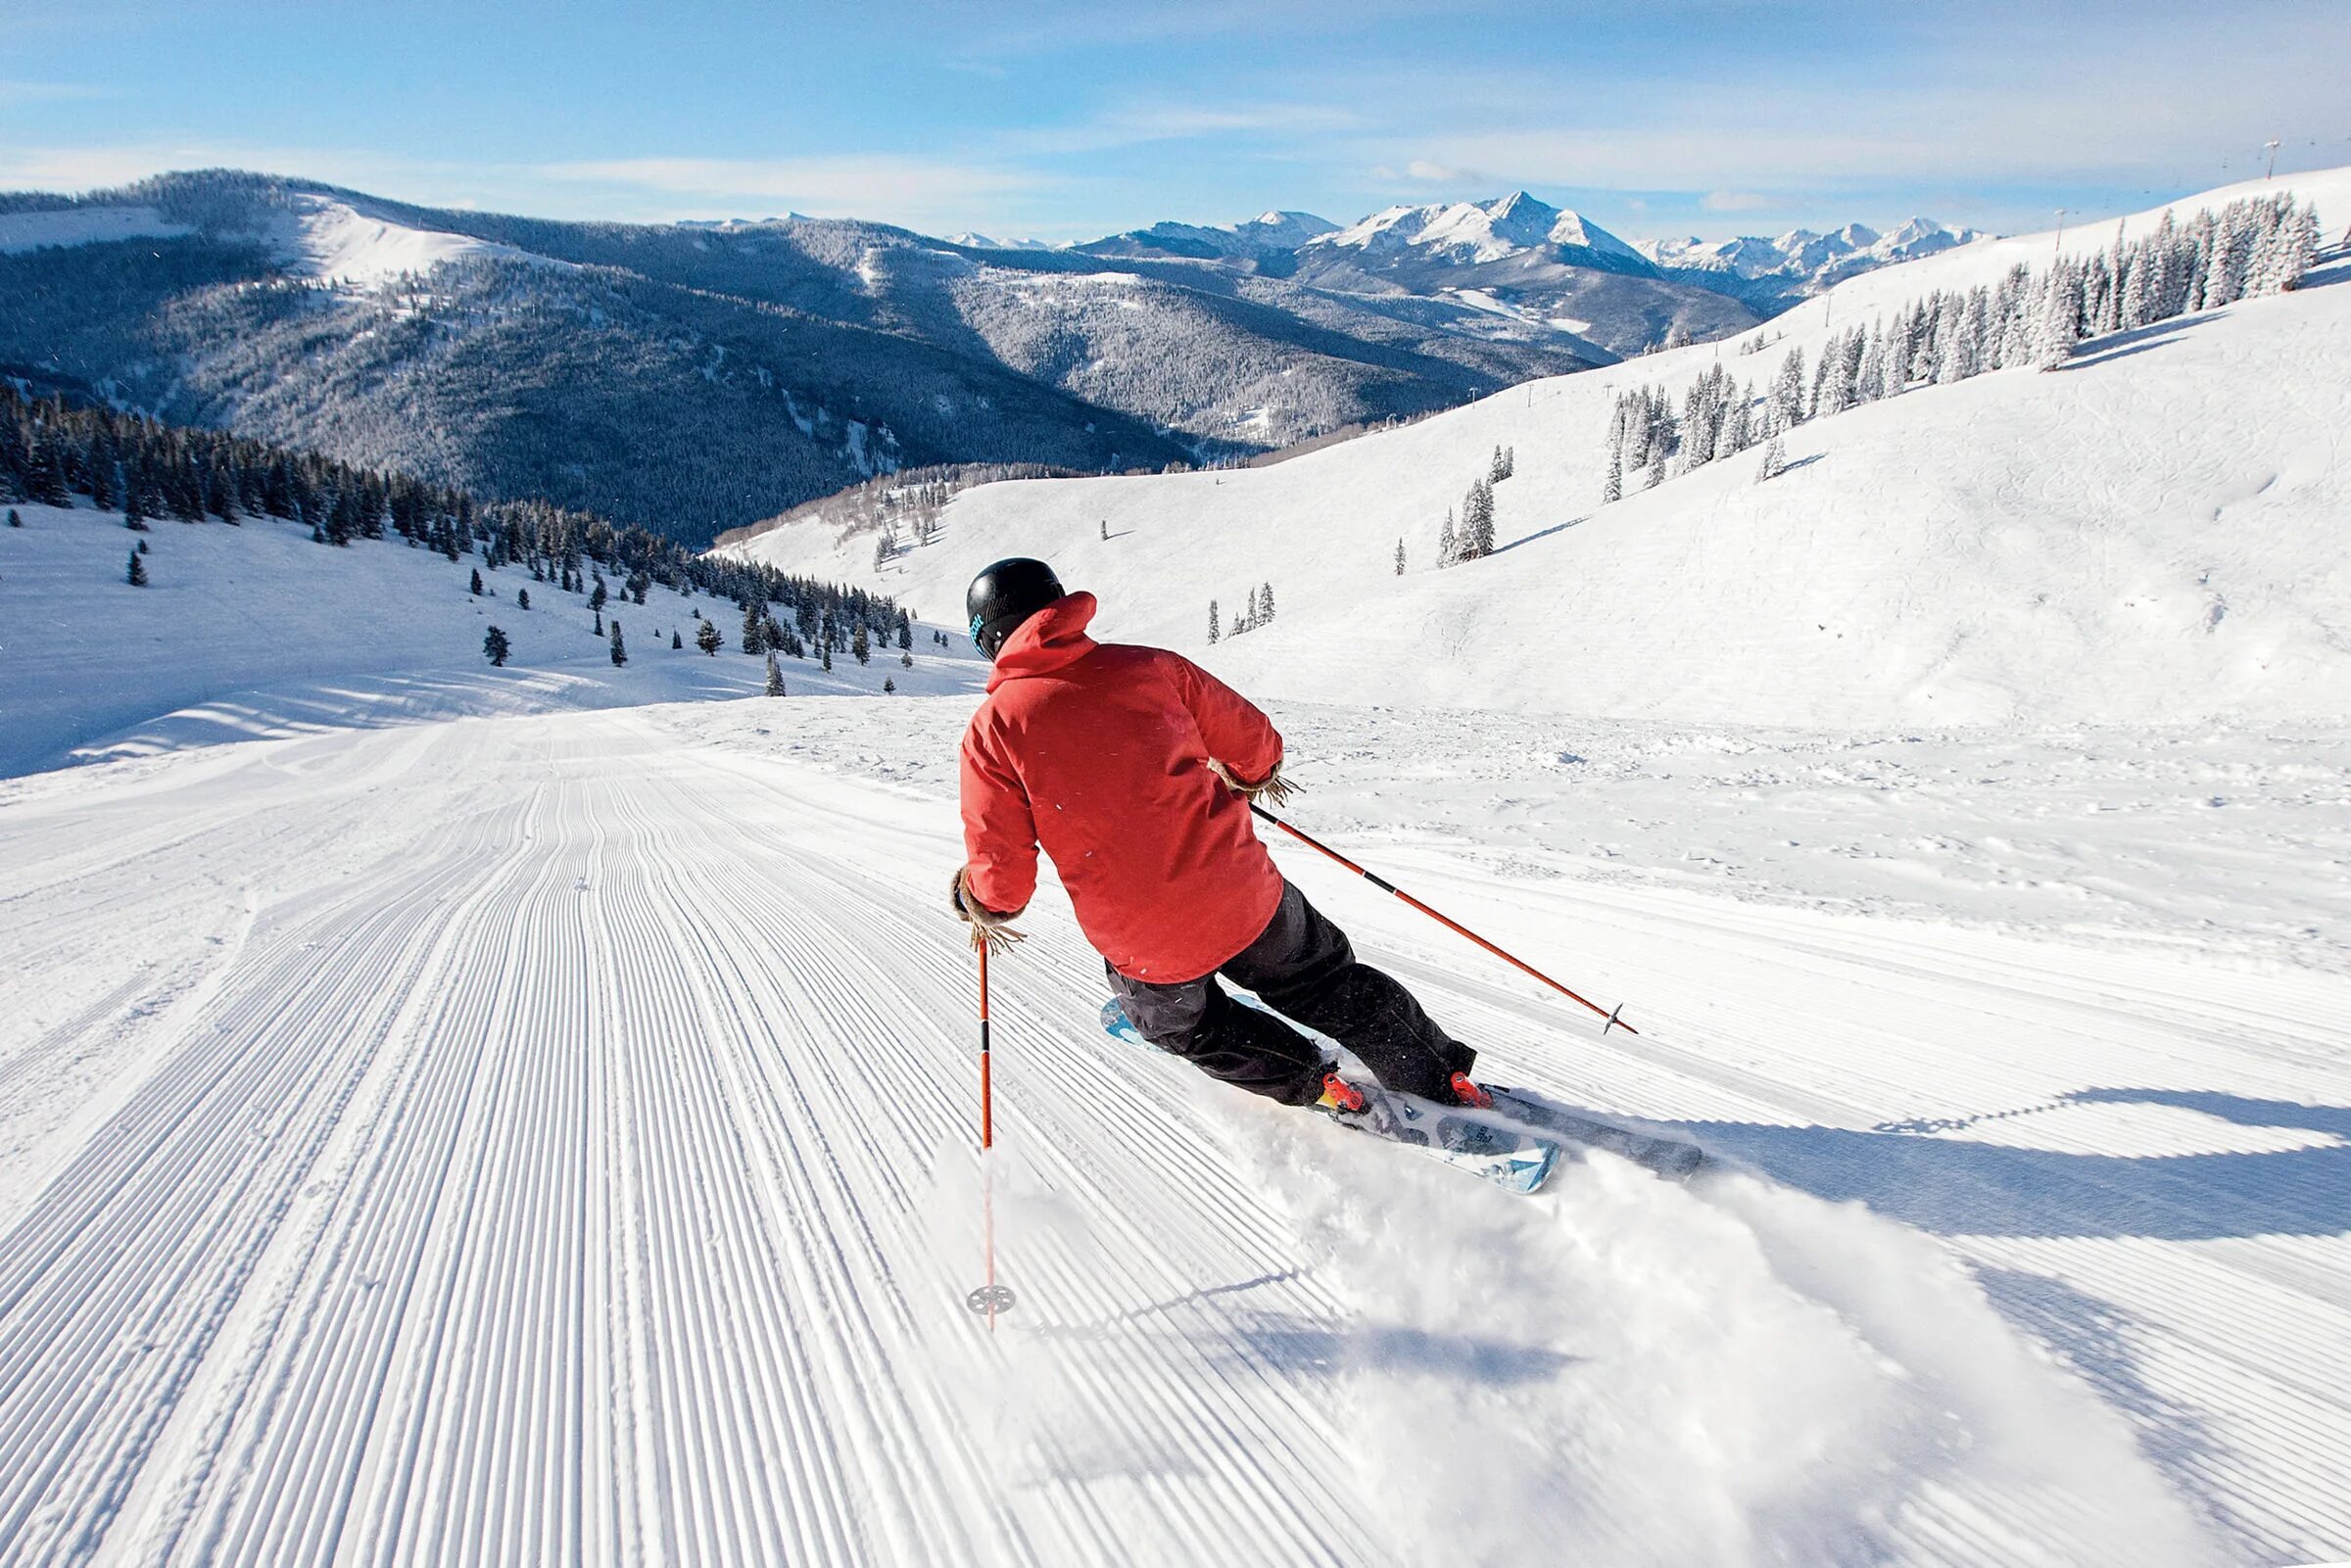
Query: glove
[989, 930]
[1271, 790]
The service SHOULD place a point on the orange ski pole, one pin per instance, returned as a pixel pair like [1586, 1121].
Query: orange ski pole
[1449, 922]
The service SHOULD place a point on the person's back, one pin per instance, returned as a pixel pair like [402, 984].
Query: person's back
[1100, 753]
[1134, 769]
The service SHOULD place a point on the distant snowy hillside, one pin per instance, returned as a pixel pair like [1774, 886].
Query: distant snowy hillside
[2152, 533]
[1485, 231]
[1265, 234]
[251, 632]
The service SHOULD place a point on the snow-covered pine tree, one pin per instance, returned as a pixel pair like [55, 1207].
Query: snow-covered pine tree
[137, 575]
[1249, 617]
[775, 677]
[825, 656]
[1447, 546]
[888, 686]
[861, 645]
[706, 638]
[1213, 631]
[1656, 473]
[620, 649]
[1398, 546]
[2138, 289]
[1265, 603]
[754, 627]
[496, 648]
[2058, 324]
[1788, 390]
[1612, 488]
[1775, 458]
[477, 582]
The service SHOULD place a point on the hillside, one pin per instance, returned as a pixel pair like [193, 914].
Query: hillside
[2149, 533]
[255, 631]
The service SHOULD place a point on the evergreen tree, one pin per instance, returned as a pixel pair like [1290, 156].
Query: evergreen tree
[708, 639]
[1265, 603]
[1212, 620]
[905, 631]
[15, 521]
[137, 575]
[1613, 488]
[598, 600]
[888, 686]
[1448, 545]
[522, 599]
[494, 644]
[1249, 616]
[775, 678]
[1775, 458]
[860, 644]
[599, 623]
[827, 652]
[2059, 324]
[1399, 550]
[675, 640]
[1787, 391]
[754, 628]
[620, 649]
[905, 660]
[477, 582]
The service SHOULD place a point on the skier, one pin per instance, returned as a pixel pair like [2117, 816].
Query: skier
[1134, 769]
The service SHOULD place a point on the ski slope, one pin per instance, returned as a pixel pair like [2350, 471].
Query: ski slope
[2150, 535]
[255, 631]
[549, 1138]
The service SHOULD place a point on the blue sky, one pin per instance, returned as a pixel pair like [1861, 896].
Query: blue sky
[1070, 121]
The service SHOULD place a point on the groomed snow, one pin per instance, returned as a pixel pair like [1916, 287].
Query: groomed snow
[335, 242]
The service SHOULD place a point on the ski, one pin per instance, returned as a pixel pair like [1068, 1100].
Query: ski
[1675, 1158]
[1511, 1157]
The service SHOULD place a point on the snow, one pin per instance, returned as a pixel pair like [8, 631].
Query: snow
[254, 632]
[2147, 536]
[528, 1115]
[83, 225]
[337, 242]
[1478, 231]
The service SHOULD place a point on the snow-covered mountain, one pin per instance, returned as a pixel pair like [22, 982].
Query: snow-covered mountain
[1801, 262]
[1474, 233]
[2018, 548]
[1267, 235]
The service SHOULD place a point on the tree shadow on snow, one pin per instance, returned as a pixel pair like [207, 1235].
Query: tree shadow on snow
[2138, 340]
[1957, 1187]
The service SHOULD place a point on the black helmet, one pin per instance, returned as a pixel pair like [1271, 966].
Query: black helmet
[1005, 595]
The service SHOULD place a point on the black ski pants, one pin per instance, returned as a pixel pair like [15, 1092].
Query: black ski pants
[1301, 966]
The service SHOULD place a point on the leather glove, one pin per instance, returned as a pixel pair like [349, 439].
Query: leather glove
[989, 930]
[1271, 790]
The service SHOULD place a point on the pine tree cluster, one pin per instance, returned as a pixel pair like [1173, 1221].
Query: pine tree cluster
[51, 450]
[2255, 245]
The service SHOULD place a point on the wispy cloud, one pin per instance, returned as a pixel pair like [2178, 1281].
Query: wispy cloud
[903, 190]
[13, 93]
[1735, 202]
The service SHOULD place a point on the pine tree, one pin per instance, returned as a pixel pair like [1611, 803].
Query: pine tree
[1265, 603]
[775, 677]
[1399, 550]
[494, 644]
[828, 653]
[1613, 488]
[620, 649]
[1448, 545]
[2059, 323]
[754, 627]
[522, 599]
[888, 686]
[137, 576]
[905, 660]
[861, 645]
[1775, 458]
[1212, 620]
[599, 623]
[675, 640]
[1249, 617]
[477, 582]
[600, 597]
[708, 639]
[15, 521]
[905, 631]
[134, 517]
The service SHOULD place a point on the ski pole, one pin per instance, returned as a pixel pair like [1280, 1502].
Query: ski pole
[1448, 922]
[990, 1298]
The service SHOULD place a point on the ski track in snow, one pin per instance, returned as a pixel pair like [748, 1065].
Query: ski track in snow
[549, 1139]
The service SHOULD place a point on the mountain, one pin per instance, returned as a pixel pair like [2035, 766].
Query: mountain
[1264, 237]
[693, 378]
[2149, 535]
[1800, 264]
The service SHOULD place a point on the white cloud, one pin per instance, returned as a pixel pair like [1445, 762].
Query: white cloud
[52, 92]
[896, 189]
[1735, 202]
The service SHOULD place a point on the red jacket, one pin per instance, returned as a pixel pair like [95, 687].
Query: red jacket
[1100, 752]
